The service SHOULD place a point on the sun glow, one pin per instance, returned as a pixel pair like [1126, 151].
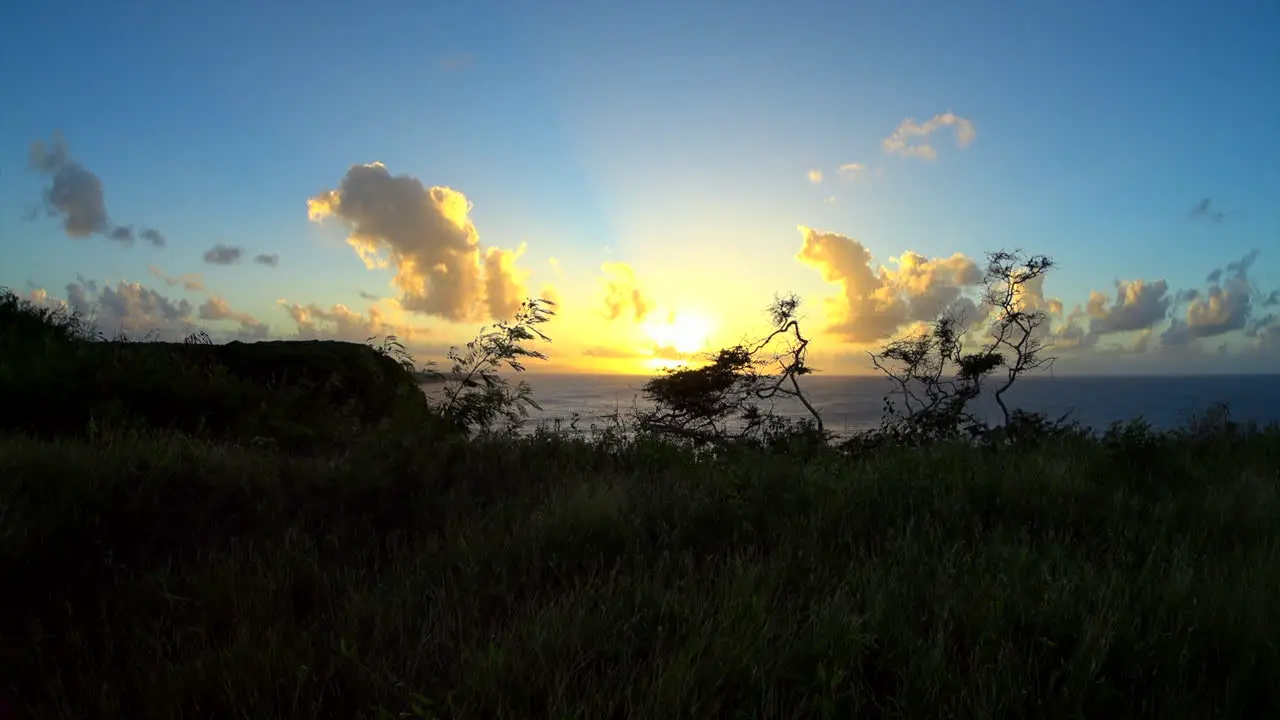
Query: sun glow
[685, 332]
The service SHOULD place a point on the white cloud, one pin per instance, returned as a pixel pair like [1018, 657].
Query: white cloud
[899, 143]
[851, 171]
[427, 235]
[874, 305]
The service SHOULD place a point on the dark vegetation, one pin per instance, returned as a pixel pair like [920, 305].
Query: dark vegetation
[277, 530]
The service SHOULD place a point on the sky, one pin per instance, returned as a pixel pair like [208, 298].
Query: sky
[660, 170]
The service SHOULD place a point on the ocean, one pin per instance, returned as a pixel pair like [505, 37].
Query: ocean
[852, 403]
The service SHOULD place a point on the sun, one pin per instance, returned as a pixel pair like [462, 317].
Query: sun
[685, 331]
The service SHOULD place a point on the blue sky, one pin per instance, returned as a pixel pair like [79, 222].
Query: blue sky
[673, 137]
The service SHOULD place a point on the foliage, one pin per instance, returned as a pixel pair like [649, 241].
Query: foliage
[476, 396]
[60, 378]
[156, 568]
[731, 398]
[937, 378]
[154, 575]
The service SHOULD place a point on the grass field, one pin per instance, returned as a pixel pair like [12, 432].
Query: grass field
[159, 576]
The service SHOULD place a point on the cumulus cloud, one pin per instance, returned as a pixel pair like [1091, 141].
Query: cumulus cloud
[503, 282]
[874, 304]
[215, 308]
[76, 196]
[426, 234]
[901, 141]
[128, 308]
[1072, 334]
[75, 193]
[1138, 305]
[338, 322]
[189, 281]
[815, 176]
[1204, 210]
[1226, 306]
[271, 260]
[622, 294]
[140, 312]
[223, 255]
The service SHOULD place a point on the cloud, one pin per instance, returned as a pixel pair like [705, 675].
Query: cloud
[153, 236]
[427, 235]
[815, 176]
[504, 283]
[667, 352]
[129, 307]
[1269, 337]
[215, 308]
[1204, 209]
[1138, 305]
[874, 304]
[339, 322]
[622, 295]
[223, 255]
[831, 200]
[611, 353]
[1072, 335]
[271, 260]
[851, 171]
[655, 351]
[899, 142]
[1225, 307]
[76, 195]
[140, 312]
[189, 281]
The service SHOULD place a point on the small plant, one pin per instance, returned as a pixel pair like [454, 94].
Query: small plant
[476, 396]
[391, 347]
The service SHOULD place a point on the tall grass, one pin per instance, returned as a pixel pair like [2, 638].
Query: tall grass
[159, 576]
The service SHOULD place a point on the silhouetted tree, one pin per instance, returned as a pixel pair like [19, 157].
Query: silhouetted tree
[937, 378]
[1015, 324]
[724, 400]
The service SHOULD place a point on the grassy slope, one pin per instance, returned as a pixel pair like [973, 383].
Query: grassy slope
[152, 576]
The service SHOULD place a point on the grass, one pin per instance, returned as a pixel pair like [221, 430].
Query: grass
[408, 571]
[160, 576]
